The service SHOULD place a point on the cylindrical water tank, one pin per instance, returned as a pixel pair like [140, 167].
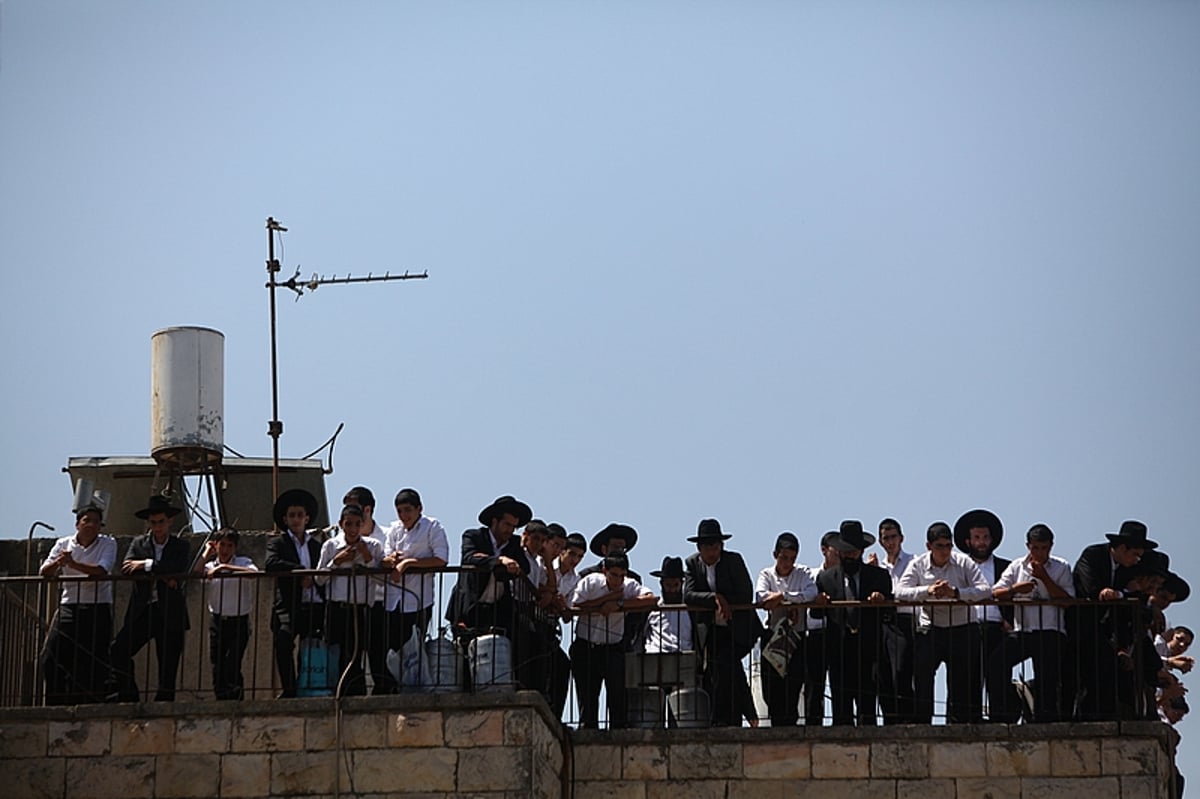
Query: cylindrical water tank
[187, 397]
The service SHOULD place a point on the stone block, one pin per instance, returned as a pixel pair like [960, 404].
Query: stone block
[759, 789]
[1075, 758]
[610, 789]
[493, 768]
[1129, 755]
[692, 789]
[359, 731]
[1070, 787]
[246, 775]
[112, 777]
[23, 739]
[203, 735]
[306, 773]
[398, 770]
[267, 734]
[518, 727]
[415, 729]
[900, 759]
[988, 788]
[926, 789]
[843, 789]
[78, 738]
[187, 776]
[143, 737]
[951, 759]
[41, 778]
[644, 762]
[480, 728]
[777, 761]
[1142, 788]
[1018, 759]
[703, 761]
[841, 761]
[597, 762]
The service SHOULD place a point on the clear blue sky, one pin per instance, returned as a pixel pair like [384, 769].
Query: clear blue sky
[778, 263]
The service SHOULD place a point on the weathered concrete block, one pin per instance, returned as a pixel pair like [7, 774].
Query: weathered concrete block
[1075, 758]
[307, 773]
[594, 762]
[481, 728]
[988, 788]
[267, 734]
[844, 789]
[186, 776]
[606, 789]
[1143, 788]
[900, 759]
[359, 731]
[78, 738]
[203, 735]
[23, 739]
[841, 761]
[951, 759]
[36, 778]
[692, 789]
[491, 768]
[398, 770]
[246, 775]
[1069, 787]
[777, 761]
[518, 727]
[926, 789]
[759, 789]
[415, 729]
[143, 737]
[1018, 758]
[700, 761]
[112, 777]
[1129, 756]
[644, 762]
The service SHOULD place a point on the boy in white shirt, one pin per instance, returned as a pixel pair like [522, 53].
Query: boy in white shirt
[348, 596]
[230, 603]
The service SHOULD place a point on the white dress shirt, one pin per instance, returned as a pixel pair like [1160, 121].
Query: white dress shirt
[101, 552]
[797, 588]
[600, 628]
[426, 539]
[343, 587]
[896, 571]
[1038, 617]
[982, 613]
[668, 630]
[960, 572]
[231, 595]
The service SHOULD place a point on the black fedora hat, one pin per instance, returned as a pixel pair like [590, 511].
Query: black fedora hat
[709, 530]
[977, 518]
[290, 498]
[851, 536]
[503, 505]
[671, 567]
[614, 530]
[1132, 534]
[158, 504]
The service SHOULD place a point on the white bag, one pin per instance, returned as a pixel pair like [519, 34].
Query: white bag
[409, 665]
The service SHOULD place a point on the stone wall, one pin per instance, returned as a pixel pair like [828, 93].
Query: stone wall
[1084, 761]
[421, 745]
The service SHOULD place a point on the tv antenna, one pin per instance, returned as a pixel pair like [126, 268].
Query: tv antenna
[274, 229]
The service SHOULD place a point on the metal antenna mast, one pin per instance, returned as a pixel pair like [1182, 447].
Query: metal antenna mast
[275, 426]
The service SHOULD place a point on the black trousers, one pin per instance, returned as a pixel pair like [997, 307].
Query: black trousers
[986, 637]
[346, 626]
[853, 677]
[594, 665]
[309, 620]
[1045, 647]
[950, 646]
[725, 679]
[781, 693]
[227, 640]
[816, 666]
[896, 692]
[74, 658]
[139, 629]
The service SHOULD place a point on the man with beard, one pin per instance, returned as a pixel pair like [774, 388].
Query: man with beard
[717, 581]
[669, 630]
[977, 534]
[482, 600]
[854, 633]
[943, 634]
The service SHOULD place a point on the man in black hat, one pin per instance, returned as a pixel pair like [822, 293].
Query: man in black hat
[717, 580]
[1100, 574]
[157, 608]
[613, 539]
[780, 589]
[854, 634]
[977, 534]
[483, 598]
[669, 630]
[299, 607]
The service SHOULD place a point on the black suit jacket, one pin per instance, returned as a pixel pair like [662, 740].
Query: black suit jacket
[174, 561]
[282, 558]
[733, 583]
[1094, 572]
[478, 552]
[870, 621]
[999, 565]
